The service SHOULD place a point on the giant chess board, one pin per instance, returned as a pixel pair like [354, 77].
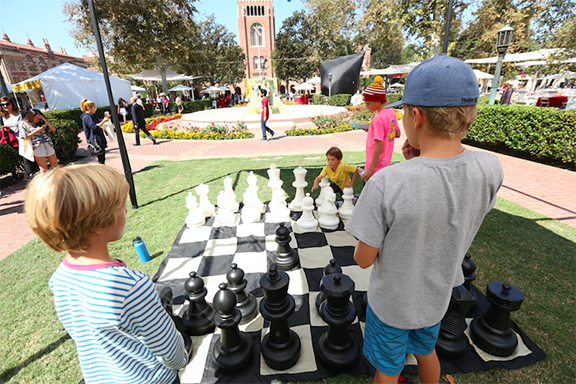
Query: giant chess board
[212, 248]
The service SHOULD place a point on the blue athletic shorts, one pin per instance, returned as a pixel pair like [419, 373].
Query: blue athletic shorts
[386, 347]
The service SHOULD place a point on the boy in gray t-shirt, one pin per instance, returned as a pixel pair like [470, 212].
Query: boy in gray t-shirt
[415, 220]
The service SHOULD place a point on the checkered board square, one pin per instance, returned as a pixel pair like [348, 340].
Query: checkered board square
[212, 248]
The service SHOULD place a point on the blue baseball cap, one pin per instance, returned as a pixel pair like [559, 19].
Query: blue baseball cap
[442, 81]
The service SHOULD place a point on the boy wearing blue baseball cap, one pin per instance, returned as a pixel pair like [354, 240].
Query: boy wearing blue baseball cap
[415, 220]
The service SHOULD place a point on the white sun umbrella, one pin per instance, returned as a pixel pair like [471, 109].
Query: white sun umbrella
[224, 89]
[304, 87]
[482, 75]
[136, 88]
[396, 85]
[179, 87]
[314, 80]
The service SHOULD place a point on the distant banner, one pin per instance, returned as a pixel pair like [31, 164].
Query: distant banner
[400, 75]
[26, 86]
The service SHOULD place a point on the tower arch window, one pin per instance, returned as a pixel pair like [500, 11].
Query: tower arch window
[262, 62]
[257, 35]
[255, 62]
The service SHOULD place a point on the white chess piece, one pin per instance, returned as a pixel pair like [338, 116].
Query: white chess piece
[224, 216]
[205, 206]
[195, 216]
[231, 203]
[328, 219]
[299, 183]
[278, 208]
[274, 175]
[251, 195]
[346, 209]
[307, 222]
[325, 182]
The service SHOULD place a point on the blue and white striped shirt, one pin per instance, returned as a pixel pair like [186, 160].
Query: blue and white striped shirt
[122, 333]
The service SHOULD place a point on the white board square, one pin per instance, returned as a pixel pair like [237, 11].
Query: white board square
[251, 262]
[315, 257]
[211, 283]
[360, 276]
[298, 283]
[221, 247]
[306, 362]
[340, 239]
[191, 235]
[297, 230]
[521, 349]
[233, 224]
[272, 245]
[194, 371]
[179, 268]
[250, 229]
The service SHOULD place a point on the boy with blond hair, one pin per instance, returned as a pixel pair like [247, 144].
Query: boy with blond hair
[338, 172]
[113, 313]
[415, 220]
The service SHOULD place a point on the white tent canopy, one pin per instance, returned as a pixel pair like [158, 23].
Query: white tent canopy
[396, 85]
[536, 55]
[304, 86]
[482, 75]
[154, 75]
[136, 88]
[392, 70]
[65, 85]
[179, 87]
[314, 80]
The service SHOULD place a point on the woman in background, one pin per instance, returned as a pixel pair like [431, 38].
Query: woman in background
[92, 127]
[122, 105]
[34, 127]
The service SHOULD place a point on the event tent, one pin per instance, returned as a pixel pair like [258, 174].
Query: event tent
[542, 54]
[65, 85]
[392, 70]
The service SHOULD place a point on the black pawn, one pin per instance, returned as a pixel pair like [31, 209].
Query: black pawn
[199, 317]
[281, 346]
[285, 257]
[492, 332]
[468, 268]
[246, 303]
[166, 300]
[452, 342]
[329, 269]
[233, 351]
[336, 349]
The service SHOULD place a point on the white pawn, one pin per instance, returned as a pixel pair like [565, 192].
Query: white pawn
[195, 216]
[328, 219]
[299, 184]
[224, 215]
[278, 208]
[274, 175]
[347, 207]
[231, 203]
[251, 195]
[307, 222]
[325, 182]
[205, 206]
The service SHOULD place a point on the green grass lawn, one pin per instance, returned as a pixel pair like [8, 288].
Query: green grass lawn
[514, 245]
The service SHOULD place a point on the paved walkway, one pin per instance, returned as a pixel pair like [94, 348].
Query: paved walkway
[541, 188]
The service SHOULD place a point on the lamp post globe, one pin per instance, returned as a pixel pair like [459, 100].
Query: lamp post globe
[503, 41]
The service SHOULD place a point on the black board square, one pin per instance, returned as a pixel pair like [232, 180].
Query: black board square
[251, 244]
[215, 265]
[222, 232]
[310, 239]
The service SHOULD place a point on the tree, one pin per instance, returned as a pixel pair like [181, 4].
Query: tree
[378, 29]
[139, 34]
[293, 53]
[216, 55]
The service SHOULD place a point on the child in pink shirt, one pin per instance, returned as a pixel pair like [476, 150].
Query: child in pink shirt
[383, 129]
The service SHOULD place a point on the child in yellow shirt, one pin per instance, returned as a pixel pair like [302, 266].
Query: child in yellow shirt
[338, 172]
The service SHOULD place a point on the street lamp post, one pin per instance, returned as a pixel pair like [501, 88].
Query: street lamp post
[330, 84]
[502, 43]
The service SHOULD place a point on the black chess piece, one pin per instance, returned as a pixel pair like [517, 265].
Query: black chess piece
[233, 351]
[332, 267]
[285, 257]
[468, 268]
[491, 332]
[166, 300]
[452, 342]
[281, 346]
[246, 303]
[199, 317]
[336, 349]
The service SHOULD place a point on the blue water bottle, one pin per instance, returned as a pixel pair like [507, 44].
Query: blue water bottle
[141, 250]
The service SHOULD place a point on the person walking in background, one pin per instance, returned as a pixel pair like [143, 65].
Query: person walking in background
[507, 95]
[122, 105]
[139, 121]
[11, 117]
[33, 127]
[264, 115]
[93, 127]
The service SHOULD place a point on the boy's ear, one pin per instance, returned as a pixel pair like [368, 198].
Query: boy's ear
[100, 231]
[419, 118]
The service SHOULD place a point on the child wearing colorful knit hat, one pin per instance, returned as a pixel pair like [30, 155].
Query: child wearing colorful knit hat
[383, 129]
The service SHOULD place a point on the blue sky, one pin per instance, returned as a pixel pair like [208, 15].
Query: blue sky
[40, 19]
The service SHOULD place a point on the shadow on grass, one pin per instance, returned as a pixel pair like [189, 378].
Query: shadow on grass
[11, 372]
[157, 254]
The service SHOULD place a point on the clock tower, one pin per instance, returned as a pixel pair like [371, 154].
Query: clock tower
[256, 33]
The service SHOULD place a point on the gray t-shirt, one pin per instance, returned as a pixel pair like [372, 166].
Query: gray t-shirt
[422, 214]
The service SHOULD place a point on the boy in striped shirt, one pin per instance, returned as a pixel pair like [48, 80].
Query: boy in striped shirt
[113, 313]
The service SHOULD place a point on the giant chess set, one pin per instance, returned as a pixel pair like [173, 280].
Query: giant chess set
[267, 292]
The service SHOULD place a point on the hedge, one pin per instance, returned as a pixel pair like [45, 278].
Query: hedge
[545, 133]
[74, 114]
[65, 139]
[198, 105]
[10, 160]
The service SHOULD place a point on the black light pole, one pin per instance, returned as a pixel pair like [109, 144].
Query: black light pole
[447, 31]
[121, 144]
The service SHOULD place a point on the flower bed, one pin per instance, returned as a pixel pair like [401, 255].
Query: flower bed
[199, 134]
[151, 123]
[318, 131]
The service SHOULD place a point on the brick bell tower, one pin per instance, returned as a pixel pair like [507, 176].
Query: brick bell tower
[256, 34]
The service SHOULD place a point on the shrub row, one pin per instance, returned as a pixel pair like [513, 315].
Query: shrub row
[340, 100]
[198, 105]
[318, 131]
[545, 133]
[74, 114]
[10, 160]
